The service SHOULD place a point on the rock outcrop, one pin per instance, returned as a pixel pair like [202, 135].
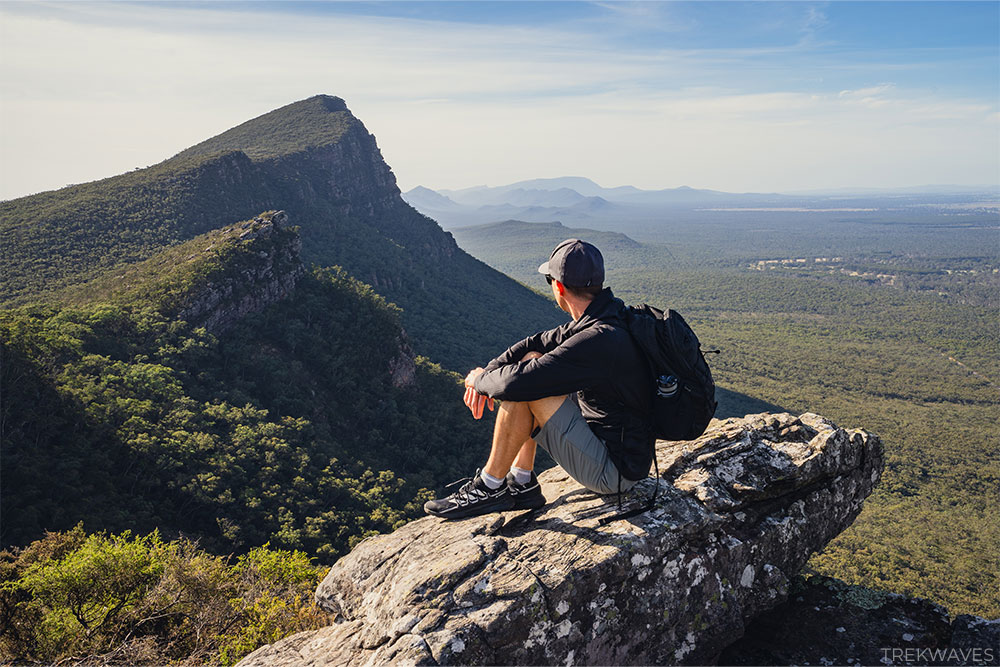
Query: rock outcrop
[737, 514]
[259, 265]
[265, 273]
[403, 367]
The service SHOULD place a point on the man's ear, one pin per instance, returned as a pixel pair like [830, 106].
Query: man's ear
[560, 288]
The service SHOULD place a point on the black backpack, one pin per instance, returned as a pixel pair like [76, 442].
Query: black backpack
[672, 348]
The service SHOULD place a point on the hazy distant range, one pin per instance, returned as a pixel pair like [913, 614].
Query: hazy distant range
[578, 200]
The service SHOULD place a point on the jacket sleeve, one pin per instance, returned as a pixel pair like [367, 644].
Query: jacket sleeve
[580, 361]
[542, 342]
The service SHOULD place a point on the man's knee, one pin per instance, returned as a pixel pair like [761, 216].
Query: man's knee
[544, 408]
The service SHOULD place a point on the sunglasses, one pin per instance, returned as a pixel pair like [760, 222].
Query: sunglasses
[548, 278]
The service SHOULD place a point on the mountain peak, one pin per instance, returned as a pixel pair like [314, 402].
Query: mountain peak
[316, 121]
[584, 186]
[421, 197]
[329, 102]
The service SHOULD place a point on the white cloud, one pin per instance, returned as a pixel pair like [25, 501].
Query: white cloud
[94, 90]
[865, 93]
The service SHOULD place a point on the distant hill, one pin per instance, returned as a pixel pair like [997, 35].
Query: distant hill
[580, 201]
[570, 199]
[513, 231]
[588, 188]
[421, 197]
[584, 186]
[316, 161]
[521, 197]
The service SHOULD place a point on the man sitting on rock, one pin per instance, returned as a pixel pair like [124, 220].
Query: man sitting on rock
[583, 391]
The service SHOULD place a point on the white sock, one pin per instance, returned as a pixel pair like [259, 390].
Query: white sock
[521, 476]
[490, 481]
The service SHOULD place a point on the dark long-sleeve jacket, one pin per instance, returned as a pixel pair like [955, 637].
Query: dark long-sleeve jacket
[596, 358]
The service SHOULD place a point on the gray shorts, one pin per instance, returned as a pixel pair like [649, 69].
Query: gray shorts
[568, 439]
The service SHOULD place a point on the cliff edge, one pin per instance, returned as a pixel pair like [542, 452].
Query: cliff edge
[738, 512]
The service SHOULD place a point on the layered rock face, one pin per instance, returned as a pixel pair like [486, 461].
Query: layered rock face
[266, 271]
[737, 514]
[263, 276]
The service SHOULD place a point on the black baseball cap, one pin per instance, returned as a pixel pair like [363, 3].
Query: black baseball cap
[575, 263]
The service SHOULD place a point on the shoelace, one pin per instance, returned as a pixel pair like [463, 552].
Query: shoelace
[466, 489]
[457, 482]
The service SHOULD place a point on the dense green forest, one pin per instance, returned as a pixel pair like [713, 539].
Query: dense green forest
[915, 363]
[286, 429]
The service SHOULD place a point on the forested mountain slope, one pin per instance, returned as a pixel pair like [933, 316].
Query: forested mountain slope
[316, 161]
[304, 420]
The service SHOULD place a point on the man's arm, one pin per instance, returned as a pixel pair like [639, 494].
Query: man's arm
[541, 342]
[576, 364]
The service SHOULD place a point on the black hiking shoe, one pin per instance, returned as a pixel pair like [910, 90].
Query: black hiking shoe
[526, 496]
[472, 499]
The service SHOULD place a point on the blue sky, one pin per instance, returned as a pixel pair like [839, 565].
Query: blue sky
[767, 96]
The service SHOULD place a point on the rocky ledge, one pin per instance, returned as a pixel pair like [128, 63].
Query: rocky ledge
[737, 514]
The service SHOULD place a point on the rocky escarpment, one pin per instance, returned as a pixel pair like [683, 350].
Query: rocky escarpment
[403, 366]
[252, 265]
[355, 182]
[264, 271]
[322, 165]
[737, 514]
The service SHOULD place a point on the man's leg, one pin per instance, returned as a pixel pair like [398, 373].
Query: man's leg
[508, 431]
[512, 440]
[512, 443]
[511, 436]
[569, 440]
[573, 445]
[526, 457]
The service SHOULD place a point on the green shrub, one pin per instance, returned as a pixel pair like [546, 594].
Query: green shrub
[124, 599]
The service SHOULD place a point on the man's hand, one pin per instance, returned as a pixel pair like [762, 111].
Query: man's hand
[475, 401]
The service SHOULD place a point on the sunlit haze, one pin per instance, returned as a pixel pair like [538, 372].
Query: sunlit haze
[772, 97]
